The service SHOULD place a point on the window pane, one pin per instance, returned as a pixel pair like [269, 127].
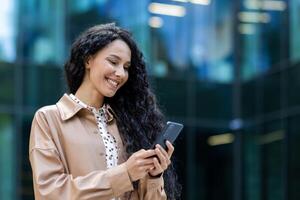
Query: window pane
[7, 157]
[172, 95]
[43, 85]
[263, 40]
[271, 93]
[43, 38]
[213, 177]
[7, 84]
[293, 82]
[8, 30]
[196, 53]
[294, 162]
[272, 160]
[263, 161]
[26, 178]
[213, 100]
[295, 29]
[249, 98]
[252, 164]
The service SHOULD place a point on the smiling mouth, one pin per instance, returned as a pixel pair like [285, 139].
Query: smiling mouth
[113, 83]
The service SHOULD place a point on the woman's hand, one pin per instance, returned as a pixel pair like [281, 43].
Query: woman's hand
[163, 161]
[140, 163]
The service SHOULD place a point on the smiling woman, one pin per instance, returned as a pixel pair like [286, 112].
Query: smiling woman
[106, 72]
[94, 142]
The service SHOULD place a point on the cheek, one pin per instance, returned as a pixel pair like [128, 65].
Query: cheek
[126, 78]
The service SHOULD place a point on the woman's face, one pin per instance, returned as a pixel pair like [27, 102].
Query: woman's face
[107, 70]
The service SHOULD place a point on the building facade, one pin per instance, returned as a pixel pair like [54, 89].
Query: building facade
[228, 70]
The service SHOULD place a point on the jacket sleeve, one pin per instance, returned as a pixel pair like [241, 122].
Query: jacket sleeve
[51, 180]
[152, 188]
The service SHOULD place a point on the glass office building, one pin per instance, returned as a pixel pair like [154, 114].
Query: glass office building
[229, 70]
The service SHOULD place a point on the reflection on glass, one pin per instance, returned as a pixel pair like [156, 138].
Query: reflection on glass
[262, 38]
[213, 177]
[198, 43]
[252, 166]
[8, 30]
[43, 38]
[263, 162]
[295, 30]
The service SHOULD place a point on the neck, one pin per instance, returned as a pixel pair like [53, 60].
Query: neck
[90, 97]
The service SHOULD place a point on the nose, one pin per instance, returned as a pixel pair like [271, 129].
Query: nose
[120, 71]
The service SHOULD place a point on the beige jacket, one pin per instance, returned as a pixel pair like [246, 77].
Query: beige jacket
[67, 157]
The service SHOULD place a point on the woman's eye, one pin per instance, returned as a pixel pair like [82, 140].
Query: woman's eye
[112, 62]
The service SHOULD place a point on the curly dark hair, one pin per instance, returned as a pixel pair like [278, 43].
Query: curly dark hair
[139, 119]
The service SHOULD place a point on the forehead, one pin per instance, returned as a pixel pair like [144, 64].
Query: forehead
[117, 47]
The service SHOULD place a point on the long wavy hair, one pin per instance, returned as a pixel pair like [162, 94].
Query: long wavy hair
[139, 119]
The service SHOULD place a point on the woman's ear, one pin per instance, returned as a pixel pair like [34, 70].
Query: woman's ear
[88, 62]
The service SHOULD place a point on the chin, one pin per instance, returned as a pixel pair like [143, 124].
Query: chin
[110, 94]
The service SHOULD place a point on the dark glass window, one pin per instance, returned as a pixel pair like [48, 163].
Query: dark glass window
[294, 163]
[271, 93]
[43, 84]
[7, 84]
[7, 158]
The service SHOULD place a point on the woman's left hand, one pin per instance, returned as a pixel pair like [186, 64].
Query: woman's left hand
[162, 159]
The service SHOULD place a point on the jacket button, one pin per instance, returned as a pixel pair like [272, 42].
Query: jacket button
[153, 185]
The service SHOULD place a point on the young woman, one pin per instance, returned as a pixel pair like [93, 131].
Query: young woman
[94, 143]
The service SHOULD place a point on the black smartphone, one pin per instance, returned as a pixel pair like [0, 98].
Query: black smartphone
[170, 133]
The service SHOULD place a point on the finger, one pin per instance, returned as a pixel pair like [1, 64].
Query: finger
[162, 158]
[163, 151]
[170, 148]
[147, 167]
[167, 160]
[140, 151]
[147, 153]
[157, 165]
[145, 161]
[165, 154]
[137, 154]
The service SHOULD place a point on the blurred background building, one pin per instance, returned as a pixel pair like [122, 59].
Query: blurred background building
[228, 69]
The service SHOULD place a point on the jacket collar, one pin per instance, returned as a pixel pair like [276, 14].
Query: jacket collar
[68, 108]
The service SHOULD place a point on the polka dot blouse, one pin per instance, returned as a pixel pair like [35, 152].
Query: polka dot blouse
[110, 143]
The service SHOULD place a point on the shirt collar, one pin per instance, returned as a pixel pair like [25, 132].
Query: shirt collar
[68, 108]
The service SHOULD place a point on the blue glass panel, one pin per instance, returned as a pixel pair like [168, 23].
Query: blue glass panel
[294, 7]
[262, 39]
[44, 31]
[8, 31]
[199, 42]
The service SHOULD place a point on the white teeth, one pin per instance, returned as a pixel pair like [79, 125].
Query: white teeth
[114, 83]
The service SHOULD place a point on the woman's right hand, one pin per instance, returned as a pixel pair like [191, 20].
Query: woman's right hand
[139, 164]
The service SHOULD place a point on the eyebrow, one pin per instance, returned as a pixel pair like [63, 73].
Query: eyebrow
[119, 58]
